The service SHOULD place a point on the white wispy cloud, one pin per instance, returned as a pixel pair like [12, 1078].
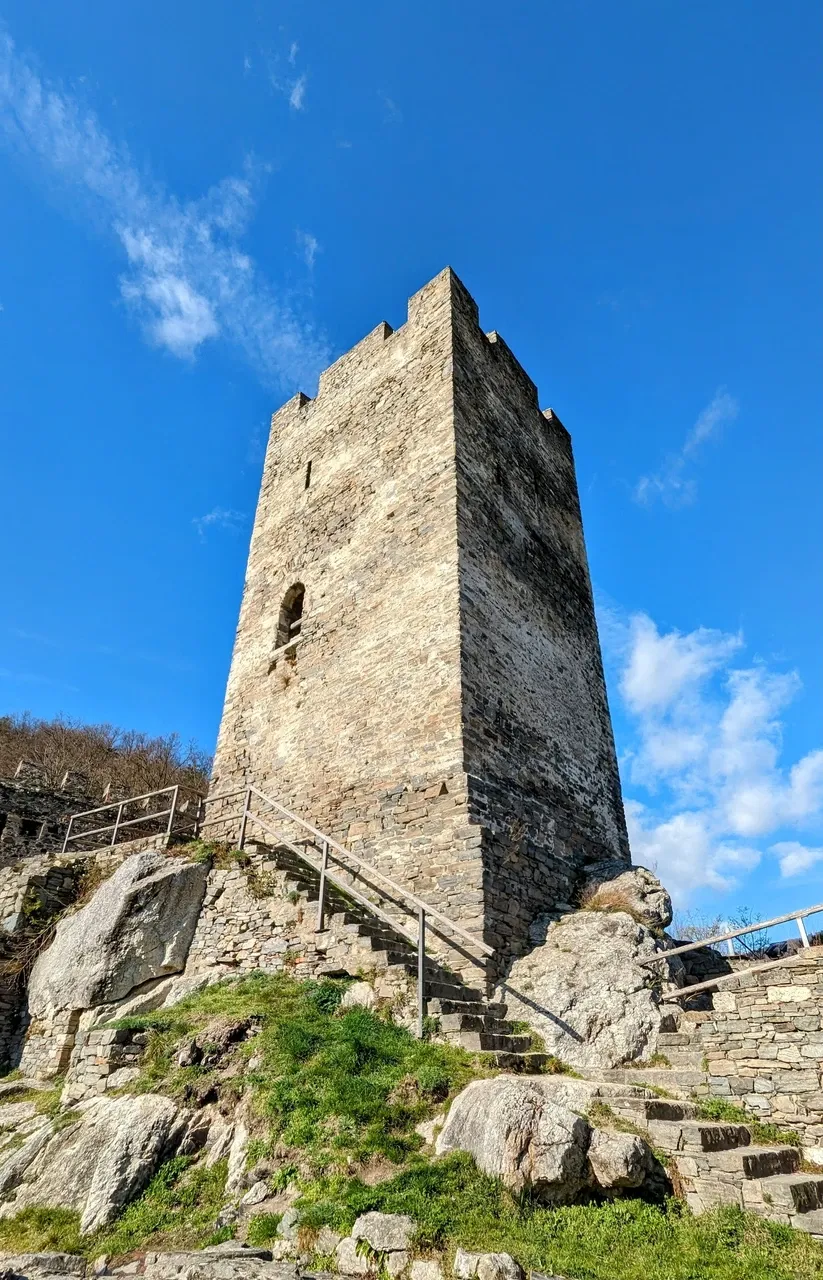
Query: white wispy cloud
[186, 277]
[309, 247]
[701, 759]
[219, 518]
[673, 484]
[297, 97]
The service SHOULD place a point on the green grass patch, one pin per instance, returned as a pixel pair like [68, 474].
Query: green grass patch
[336, 1088]
[38, 1230]
[178, 1210]
[456, 1205]
[762, 1134]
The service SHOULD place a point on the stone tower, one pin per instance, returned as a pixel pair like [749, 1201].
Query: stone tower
[417, 668]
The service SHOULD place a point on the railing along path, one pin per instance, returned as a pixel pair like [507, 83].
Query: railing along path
[329, 852]
[728, 937]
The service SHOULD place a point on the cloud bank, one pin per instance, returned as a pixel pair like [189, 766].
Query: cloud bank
[186, 277]
[704, 783]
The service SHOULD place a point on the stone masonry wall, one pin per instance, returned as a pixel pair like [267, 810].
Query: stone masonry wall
[442, 709]
[764, 1045]
[537, 736]
[359, 729]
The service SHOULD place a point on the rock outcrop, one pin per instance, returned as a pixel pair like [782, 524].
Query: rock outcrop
[137, 927]
[100, 1162]
[582, 990]
[635, 890]
[517, 1131]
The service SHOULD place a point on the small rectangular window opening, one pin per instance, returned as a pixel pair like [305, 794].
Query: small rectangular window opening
[308, 475]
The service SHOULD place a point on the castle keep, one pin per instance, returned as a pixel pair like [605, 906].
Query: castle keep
[416, 669]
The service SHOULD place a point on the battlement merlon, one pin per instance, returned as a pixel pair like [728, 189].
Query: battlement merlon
[444, 300]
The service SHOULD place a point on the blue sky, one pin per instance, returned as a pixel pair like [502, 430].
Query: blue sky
[203, 204]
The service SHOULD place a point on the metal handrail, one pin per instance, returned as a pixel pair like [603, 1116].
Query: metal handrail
[120, 823]
[325, 844]
[329, 849]
[799, 916]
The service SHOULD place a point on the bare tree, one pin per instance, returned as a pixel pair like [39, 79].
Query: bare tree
[131, 761]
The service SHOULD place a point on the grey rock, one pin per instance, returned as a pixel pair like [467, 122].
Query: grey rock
[395, 1263]
[515, 1132]
[583, 991]
[256, 1194]
[37, 1265]
[138, 926]
[350, 1262]
[236, 1177]
[639, 888]
[425, 1269]
[360, 995]
[486, 1266]
[289, 1224]
[208, 1264]
[98, 1165]
[384, 1231]
[619, 1160]
[327, 1241]
[14, 1165]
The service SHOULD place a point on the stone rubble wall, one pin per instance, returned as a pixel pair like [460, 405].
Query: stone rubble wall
[764, 1045]
[252, 920]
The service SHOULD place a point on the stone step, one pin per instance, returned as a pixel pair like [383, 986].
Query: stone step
[687, 1136]
[525, 1063]
[440, 1008]
[474, 1041]
[757, 1162]
[672, 1039]
[437, 990]
[656, 1108]
[793, 1192]
[474, 1022]
[672, 1079]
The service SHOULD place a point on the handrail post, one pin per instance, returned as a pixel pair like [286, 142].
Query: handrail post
[245, 819]
[198, 817]
[68, 833]
[730, 947]
[321, 901]
[174, 798]
[421, 971]
[804, 937]
[117, 823]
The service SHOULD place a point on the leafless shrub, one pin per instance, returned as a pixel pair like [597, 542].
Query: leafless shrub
[131, 761]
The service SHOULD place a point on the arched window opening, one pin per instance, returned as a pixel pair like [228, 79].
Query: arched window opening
[291, 614]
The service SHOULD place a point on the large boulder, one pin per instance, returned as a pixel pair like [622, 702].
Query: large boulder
[582, 990]
[138, 926]
[99, 1163]
[517, 1133]
[636, 890]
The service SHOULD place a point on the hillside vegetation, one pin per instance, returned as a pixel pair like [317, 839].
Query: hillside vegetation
[332, 1097]
[133, 762]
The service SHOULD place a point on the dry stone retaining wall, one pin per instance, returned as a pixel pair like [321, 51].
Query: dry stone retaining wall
[764, 1044]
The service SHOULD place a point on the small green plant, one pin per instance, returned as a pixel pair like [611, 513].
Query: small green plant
[263, 1229]
[656, 1060]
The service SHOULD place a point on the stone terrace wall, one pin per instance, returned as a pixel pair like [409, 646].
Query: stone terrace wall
[764, 1045]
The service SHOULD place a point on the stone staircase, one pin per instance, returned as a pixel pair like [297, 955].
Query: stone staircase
[714, 1162]
[462, 1015]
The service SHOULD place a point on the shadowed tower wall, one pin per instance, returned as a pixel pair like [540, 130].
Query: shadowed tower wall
[443, 712]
